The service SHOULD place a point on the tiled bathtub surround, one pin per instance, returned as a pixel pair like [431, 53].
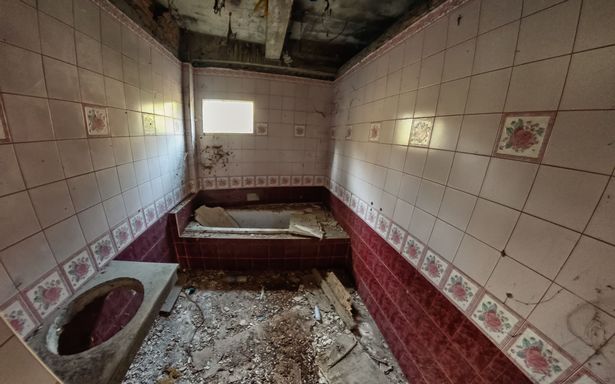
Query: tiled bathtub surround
[494, 156]
[291, 116]
[78, 170]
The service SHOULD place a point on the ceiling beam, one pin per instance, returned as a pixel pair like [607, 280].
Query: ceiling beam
[278, 18]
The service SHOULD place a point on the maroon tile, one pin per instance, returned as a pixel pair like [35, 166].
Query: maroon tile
[446, 316]
[477, 349]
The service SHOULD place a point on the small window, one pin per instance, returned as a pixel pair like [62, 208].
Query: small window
[228, 116]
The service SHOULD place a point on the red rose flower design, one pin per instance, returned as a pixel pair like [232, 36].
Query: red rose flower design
[492, 321]
[412, 251]
[51, 295]
[432, 269]
[536, 361]
[17, 325]
[458, 291]
[123, 236]
[104, 250]
[522, 139]
[81, 269]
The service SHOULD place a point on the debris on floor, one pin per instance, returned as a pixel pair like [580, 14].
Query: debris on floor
[261, 328]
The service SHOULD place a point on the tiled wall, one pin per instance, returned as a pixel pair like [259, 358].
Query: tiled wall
[92, 147]
[292, 119]
[479, 143]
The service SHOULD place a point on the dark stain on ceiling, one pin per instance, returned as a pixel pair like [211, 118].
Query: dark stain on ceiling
[321, 35]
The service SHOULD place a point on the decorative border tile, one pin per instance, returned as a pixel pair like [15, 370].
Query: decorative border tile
[260, 181]
[362, 209]
[149, 124]
[209, 183]
[261, 129]
[396, 237]
[538, 357]
[319, 180]
[103, 250]
[122, 236]
[47, 294]
[495, 319]
[150, 214]
[434, 268]
[524, 135]
[420, 133]
[374, 132]
[308, 180]
[461, 290]
[382, 225]
[137, 223]
[413, 250]
[79, 269]
[5, 135]
[354, 202]
[19, 317]
[299, 130]
[371, 216]
[347, 196]
[96, 120]
[161, 207]
[168, 200]
[221, 182]
[296, 180]
[235, 182]
[273, 181]
[284, 181]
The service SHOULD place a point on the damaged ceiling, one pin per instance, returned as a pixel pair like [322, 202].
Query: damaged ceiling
[311, 38]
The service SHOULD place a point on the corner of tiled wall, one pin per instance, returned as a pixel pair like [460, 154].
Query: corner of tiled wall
[483, 135]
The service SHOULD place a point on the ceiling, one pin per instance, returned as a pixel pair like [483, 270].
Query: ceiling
[303, 37]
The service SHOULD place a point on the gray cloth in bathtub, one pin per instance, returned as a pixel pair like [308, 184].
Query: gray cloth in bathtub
[214, 217]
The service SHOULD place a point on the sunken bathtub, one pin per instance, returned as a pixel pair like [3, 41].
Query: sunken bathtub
[279, 228]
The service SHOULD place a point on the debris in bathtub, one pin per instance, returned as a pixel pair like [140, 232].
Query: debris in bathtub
[214, 217]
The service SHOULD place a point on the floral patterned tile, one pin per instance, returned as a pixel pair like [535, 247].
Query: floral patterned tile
[354, 202]
[261, 181]
[19, 317]
[4, 127]
[161, 207]
[434, 267]
[48, 294]
[168, 200]
[248, 181]
[149, 124]
[524, 136]
[396, 237]
[348, 135]
[150, 214]
[299, 130]
[209, 183]
[122, 235]
[222, 182]
[308, 180]
[461, 290]
[319, 180]
[382, 226]
[235, 182]
[362, 209]
[538, 357]
[413, 250]
[79, 269]
[371, 217]
[284, 181]
[103, 250]
[346, 197]
[96, 120]
[261, 129]
[296, 180]
[273, 181]
[495, 319]
[420, 133]
[374, 132]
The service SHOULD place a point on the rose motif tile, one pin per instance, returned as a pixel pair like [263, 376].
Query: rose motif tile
[347, 196]
[348, 135]
[538, 358]
[420, 133]
[524, 136]
[248, 181]
[371, 217]
[79, 269]
[19, 317]
[374, 132]
[396, 237]
[284, 181]
[299, 130]
[235, 182]
[149, 124]
[96, 120]
[168, 200]
[4, 128]
[209, 183]
[319, 180]
[413, 250]
[273, 181]
[161, 207]
[382, 226]
[122, 236]
[362, 209]
[296, 180]
[150, 214]
[103, 250]
[495, 319]
[221, 182]
[461, 290]
[261, 129]
[48, 294]
[261, 181]
[308, 180]
[354, 202]
[434, 267]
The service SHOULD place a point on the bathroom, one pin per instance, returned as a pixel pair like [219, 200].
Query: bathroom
[453, 161]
